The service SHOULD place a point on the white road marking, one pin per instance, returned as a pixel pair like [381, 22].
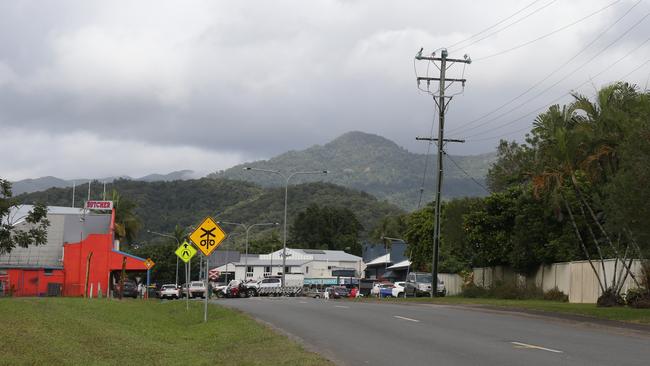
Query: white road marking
[341, 306]
[302, 302]
[404, 318]
[526, 345]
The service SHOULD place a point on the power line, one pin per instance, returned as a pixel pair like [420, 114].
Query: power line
[509, 25]
[466, 173]
[563, 95]
[564, 77]
[494, 25]
[550, 33]
[550, 74]
[426, 164]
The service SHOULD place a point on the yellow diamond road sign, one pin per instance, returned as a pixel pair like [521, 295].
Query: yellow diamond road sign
[149, 263]
[207, 236]
[185, 252]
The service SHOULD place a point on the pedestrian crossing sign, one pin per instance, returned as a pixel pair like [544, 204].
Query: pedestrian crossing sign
[185, 252]
[208, 236]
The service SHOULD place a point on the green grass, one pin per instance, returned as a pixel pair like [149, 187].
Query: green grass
[614, 313]
[74, 331]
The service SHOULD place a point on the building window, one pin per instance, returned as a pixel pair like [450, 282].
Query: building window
[307, 269]
[267, 269]
[329, 267]
[249, 271]
[48, 271]
[287, 269]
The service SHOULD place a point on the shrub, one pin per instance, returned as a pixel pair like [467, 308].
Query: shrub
[610, 298]
[638, 298]
[555, 294]
[472, 291]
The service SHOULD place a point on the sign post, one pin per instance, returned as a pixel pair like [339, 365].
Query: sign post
[148, 263]
[185, 252]
[207, 237]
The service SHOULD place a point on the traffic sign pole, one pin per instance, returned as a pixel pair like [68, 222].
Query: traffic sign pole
[205, 303]
[187, 283]
[147, 291]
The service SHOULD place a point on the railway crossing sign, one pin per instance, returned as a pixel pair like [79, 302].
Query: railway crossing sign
[149, 263]
[207, 236]
[185, 252]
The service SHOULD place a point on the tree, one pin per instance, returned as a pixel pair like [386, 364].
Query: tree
[325, 227]
[127, 223]
[513, 166]
[11, 236]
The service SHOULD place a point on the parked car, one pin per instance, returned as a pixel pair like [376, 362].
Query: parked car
[170, 291]
[130, 289]
[314, 293]
[398, 290]
[376, 288]
[419, 284]
[197, 288]
[386, 290]
[337, 292]
[235, 288]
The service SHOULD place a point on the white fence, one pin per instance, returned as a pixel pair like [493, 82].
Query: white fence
[576, 279]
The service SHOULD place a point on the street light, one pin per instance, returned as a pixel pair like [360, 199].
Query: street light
[247, 228]
[286, 195]
[177, 242]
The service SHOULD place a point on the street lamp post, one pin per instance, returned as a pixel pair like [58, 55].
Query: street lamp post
[247, 228]
[286, 197]
[177, 242]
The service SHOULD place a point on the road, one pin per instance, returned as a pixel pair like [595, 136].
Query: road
[364, 333]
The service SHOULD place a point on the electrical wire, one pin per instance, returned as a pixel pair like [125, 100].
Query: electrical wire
[494, 25]
[464, 171]
[426, 161]
[561, 96]
[550, 74]
[508, 26]
[548, 34]
[564, 77]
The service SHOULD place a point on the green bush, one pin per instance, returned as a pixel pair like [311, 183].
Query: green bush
[638, 298]
[502, 290]
[470, 290]
[609, 299]
[555, 294]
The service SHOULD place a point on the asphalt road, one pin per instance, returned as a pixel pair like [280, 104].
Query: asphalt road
[362, 333]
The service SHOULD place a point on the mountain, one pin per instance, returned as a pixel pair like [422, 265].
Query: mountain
[372, 164]
[162, 205]
[43, 183]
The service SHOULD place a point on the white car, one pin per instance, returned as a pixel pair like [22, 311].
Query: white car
[398, 290]
[197, 288]
[376, 288]
[170, 291]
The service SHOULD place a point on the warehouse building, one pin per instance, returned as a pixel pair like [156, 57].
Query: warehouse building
[80, 254]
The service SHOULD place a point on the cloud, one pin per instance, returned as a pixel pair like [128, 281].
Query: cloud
[253, 79]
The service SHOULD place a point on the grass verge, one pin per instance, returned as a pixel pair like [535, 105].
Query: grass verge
[53, 331]
[615, 313]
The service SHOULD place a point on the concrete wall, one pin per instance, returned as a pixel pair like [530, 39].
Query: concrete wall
[576, 279]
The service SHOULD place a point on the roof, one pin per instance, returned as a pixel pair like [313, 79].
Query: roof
[384, 259]
[332, 255]
[18, 213]
[400, 265]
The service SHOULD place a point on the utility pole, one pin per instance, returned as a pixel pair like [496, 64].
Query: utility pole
[441, 103]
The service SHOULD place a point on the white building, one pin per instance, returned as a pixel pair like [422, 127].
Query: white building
[316, 265]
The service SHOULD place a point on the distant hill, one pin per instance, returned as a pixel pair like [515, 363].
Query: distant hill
[162, 205]
[372, 164]
[43, 183]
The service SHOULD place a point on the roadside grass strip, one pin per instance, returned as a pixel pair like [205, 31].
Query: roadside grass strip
[625, 314]
[74, 331]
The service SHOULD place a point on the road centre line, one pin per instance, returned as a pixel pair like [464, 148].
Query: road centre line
[341, 306]
[532, 346]
[404, 318]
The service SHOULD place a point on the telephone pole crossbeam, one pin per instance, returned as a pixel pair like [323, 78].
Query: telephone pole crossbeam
[442, 106]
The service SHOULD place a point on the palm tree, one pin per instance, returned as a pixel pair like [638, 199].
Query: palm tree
[127, 224]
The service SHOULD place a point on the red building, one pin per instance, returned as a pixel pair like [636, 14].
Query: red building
[80, 253]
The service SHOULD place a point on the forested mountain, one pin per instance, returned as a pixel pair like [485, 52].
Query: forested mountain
[163, 205]
[43, 183]
[372, 164]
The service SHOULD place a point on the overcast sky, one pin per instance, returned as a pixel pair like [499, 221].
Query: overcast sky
[93, 89]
